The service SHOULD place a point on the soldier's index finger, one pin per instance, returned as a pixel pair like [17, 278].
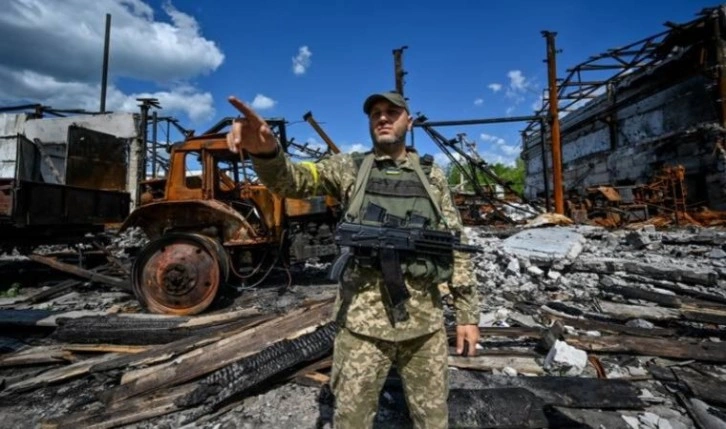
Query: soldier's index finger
[244, 109]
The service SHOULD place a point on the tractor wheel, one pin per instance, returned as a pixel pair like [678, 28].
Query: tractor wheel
[179, 273]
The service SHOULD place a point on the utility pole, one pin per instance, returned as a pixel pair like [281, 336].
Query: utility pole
[104, 72]
[554, 123]
[398, 68]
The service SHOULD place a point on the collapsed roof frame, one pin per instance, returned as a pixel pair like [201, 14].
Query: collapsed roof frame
[575, 90]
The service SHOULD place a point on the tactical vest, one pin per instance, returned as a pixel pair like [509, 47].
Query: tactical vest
[402, 193]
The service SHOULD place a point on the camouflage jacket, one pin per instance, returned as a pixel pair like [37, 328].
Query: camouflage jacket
[365, 313]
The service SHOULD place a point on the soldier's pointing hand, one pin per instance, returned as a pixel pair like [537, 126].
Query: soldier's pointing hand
[250, 132]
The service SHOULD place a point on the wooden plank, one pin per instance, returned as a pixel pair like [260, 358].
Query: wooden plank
[681, 290]
[708, 388]
[616, 328]
[627, 312]
[170, 350]
[80, 272]
[23, 318]
[668, 348]
[613, 328]
[37, 356]
[105, 348]
[56, 375]
[209, 358]
[50, 292]
[312, 379]
[522, 364]
[142, 329]
[124, 413]
[704, 314]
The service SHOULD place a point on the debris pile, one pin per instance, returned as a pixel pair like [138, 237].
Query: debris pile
[581, 327]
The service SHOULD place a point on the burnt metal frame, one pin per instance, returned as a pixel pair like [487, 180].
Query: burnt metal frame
[575, 88]
[474, 163]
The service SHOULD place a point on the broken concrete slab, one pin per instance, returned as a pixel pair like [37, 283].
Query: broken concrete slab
[563, 359]
[544, 246]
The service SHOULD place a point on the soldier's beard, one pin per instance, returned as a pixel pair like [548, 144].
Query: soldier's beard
[389, 145]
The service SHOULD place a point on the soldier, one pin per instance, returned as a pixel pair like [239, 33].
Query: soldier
[369, 341]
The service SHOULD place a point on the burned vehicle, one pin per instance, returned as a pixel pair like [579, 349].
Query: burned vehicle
[61, 182]
[210, 222]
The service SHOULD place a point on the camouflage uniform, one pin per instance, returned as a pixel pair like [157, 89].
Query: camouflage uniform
[368, 343]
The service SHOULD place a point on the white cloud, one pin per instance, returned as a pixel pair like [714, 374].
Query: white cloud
[517, 81]
[301, 62]
[197, 105]
[497, 158]
[496, 87]
[510, 150]
[314, 144]
[58, 57]
[478, 101]
[499, 150]
[355, 147]
[263, 102]
[492, 139]
[442, 160]
[537, 104]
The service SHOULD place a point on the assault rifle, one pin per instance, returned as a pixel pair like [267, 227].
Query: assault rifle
[385, 244]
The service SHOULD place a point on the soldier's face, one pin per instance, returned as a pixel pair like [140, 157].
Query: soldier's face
[388, 125]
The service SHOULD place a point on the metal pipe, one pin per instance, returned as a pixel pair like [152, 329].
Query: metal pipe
[476, 121]
[155, 120]
[310, 120]
[104, 73]
[398, 71]
[543, 143]
[555, 123]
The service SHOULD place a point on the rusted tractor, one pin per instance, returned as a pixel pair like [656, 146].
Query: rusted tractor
[215, 224]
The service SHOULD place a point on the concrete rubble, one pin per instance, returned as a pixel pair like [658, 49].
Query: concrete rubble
[581, 326]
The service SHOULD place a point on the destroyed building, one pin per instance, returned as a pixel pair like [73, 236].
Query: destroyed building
[629, 112]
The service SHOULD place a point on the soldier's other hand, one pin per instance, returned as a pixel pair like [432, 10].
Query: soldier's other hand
[469, 334]
[250, 132]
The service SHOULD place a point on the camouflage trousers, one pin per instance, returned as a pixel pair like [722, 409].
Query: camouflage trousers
[360, 367]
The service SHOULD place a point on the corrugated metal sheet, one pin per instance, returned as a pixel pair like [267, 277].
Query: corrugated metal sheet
[8, 156]
[121, 125]
[11, 124]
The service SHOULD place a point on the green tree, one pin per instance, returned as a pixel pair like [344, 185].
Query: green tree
[513, 175]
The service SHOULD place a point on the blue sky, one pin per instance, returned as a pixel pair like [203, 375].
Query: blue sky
[465, 59]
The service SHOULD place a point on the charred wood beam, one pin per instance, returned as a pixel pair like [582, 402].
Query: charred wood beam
[242, 375]
[573, 418]
[576, 392]
[703, 415]
[667, 348]
[212, 357]
[139, 329]
[674, 287]
[80, 272]
[166, 352]
[507, 407]
[57, 375]
[123, 413]
[706, 387]
[617, 328]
